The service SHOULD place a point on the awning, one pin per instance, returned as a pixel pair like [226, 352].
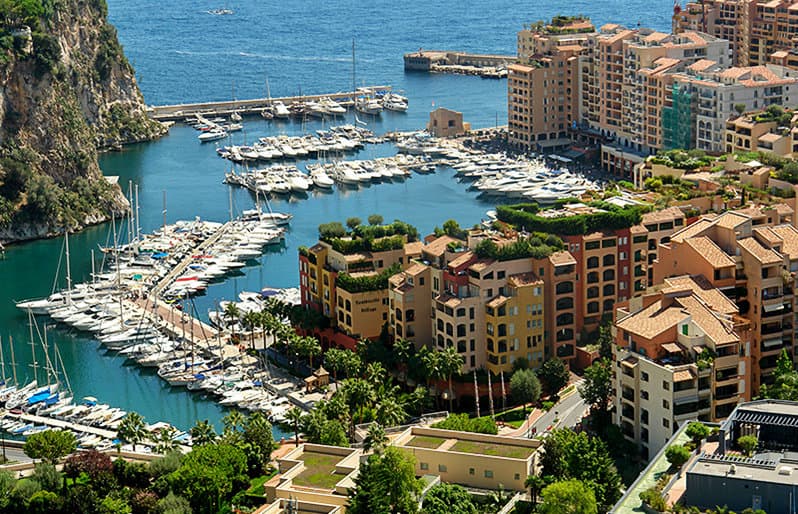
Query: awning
[681, 376]
[672, 348]
[764, 418]
[773, 307]
[771, 342]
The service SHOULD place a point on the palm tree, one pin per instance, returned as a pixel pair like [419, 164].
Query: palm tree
[232, 313]
[390, 412]
[402, 350]
[294, 417]
[335, 357]
[431, 361]
[310, 347]
[202, 433]
[164, 440]
[375, 374]
[375, 438]
[450, 363]
[233, 422]
[359, 394]
[251, 320]
[535, 483]
[131, 429]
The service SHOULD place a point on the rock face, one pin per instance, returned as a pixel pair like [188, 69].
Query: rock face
[66, 92]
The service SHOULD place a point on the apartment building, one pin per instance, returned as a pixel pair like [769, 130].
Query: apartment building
[763, 131]
[628, 72]
[724, 19]
[679, 356]
[751, 255]
[358, 309]
[719, 92]
[543, 87]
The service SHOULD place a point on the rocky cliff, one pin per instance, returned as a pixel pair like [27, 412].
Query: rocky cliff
[66, 92]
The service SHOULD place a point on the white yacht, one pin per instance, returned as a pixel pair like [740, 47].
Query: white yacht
[280, 110]
[212, 135]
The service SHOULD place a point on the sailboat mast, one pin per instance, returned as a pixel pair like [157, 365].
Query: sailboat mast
[68, 268]
[34, 365]
[2, 361]
[13, 361]
[46, 356]
[164, 211]
[138, 220]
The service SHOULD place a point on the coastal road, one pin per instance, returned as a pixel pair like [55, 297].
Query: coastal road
[567, 412]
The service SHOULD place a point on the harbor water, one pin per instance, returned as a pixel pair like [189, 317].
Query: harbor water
[183, 54]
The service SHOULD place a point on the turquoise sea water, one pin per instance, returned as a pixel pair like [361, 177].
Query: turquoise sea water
[182, 53]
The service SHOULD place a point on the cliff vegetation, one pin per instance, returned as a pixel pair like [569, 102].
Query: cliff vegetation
[66, 92]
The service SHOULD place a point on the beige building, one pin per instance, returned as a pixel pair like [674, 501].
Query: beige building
[681, 355]
[751, 255]
[762, 131]
[543, 87]
[473, 460]
[447, 123]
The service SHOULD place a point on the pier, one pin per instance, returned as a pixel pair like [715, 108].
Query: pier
[63, 425]
[441, 61]
[254, 106]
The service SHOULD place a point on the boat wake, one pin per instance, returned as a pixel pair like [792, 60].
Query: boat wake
[273, 57]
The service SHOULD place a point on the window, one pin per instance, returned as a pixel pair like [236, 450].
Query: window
[592, 262]
[644, 377]
[423, 465]
[666, 404]
[644, 395]
[609, 260]
[666, 423]
[685, 330]
[442, 468]
[488, 473]
[666, 385]
[471, 471]
[517, 476]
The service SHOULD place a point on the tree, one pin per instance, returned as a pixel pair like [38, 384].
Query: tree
[202, 433]
[164, 440]
[342, 361]
[386, 483]
[597, 389]
[209, 475]
[251, 319]
[535, 483]
[375, 438]
[232, 314]
[748, 444]
[259, 441]
[353, 222]
[375, 219]
[309, 347]
[333, 433]
[294, 418]
[524, 387]
[785, 380]
[94, 463]
[571, 455]
[47, 476]
[50, 445]
[697, 431]
[448, 499]
[132, 429]
[677, 455]
[568, 497]
[390, 412]
[173, 504]
[740, 108]
[554, 375]
[604, 340]
[359, 394]
[451, 363]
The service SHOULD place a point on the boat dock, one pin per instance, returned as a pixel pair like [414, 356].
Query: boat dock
[441, 61]
[254, 106]
[63, 425]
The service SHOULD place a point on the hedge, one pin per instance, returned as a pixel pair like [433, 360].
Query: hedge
[523, 216]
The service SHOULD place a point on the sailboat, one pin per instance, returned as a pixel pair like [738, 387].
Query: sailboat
[355, 99]
[236, 116]
[56, 299]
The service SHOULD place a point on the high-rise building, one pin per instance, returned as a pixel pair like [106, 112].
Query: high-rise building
[543, 87]
[751, 256]
[681, 354]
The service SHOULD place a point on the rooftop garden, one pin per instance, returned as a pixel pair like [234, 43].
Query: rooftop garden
[525, 216]
[773, 113]
[536, 246]
[319, 471]
[683, 159]
[561, 24]
[499, 450]
[374, 237]
[426, 441]
[363, 284]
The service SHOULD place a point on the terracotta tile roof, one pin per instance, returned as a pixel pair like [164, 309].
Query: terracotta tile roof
[759, 252]
[704, 289]
[789, 239]
[438, 246]
[767, 234]
[414, 248]
[524, 279]
[783, 209]
[560, 258]
[702, 64]
[731, 219]
[461, 259]
[668, 214]
[416, 268]
[637, 229]
[780, 54]
[653, 320]
[718, 330]
[707, 248]
[770, 137]
[692, 230]
[496, 302]
[479, 265]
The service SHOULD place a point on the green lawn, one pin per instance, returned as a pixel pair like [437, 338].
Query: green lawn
[499, 450]
[319, 472]
[256, 484]
[425, 441]
[514, 417]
